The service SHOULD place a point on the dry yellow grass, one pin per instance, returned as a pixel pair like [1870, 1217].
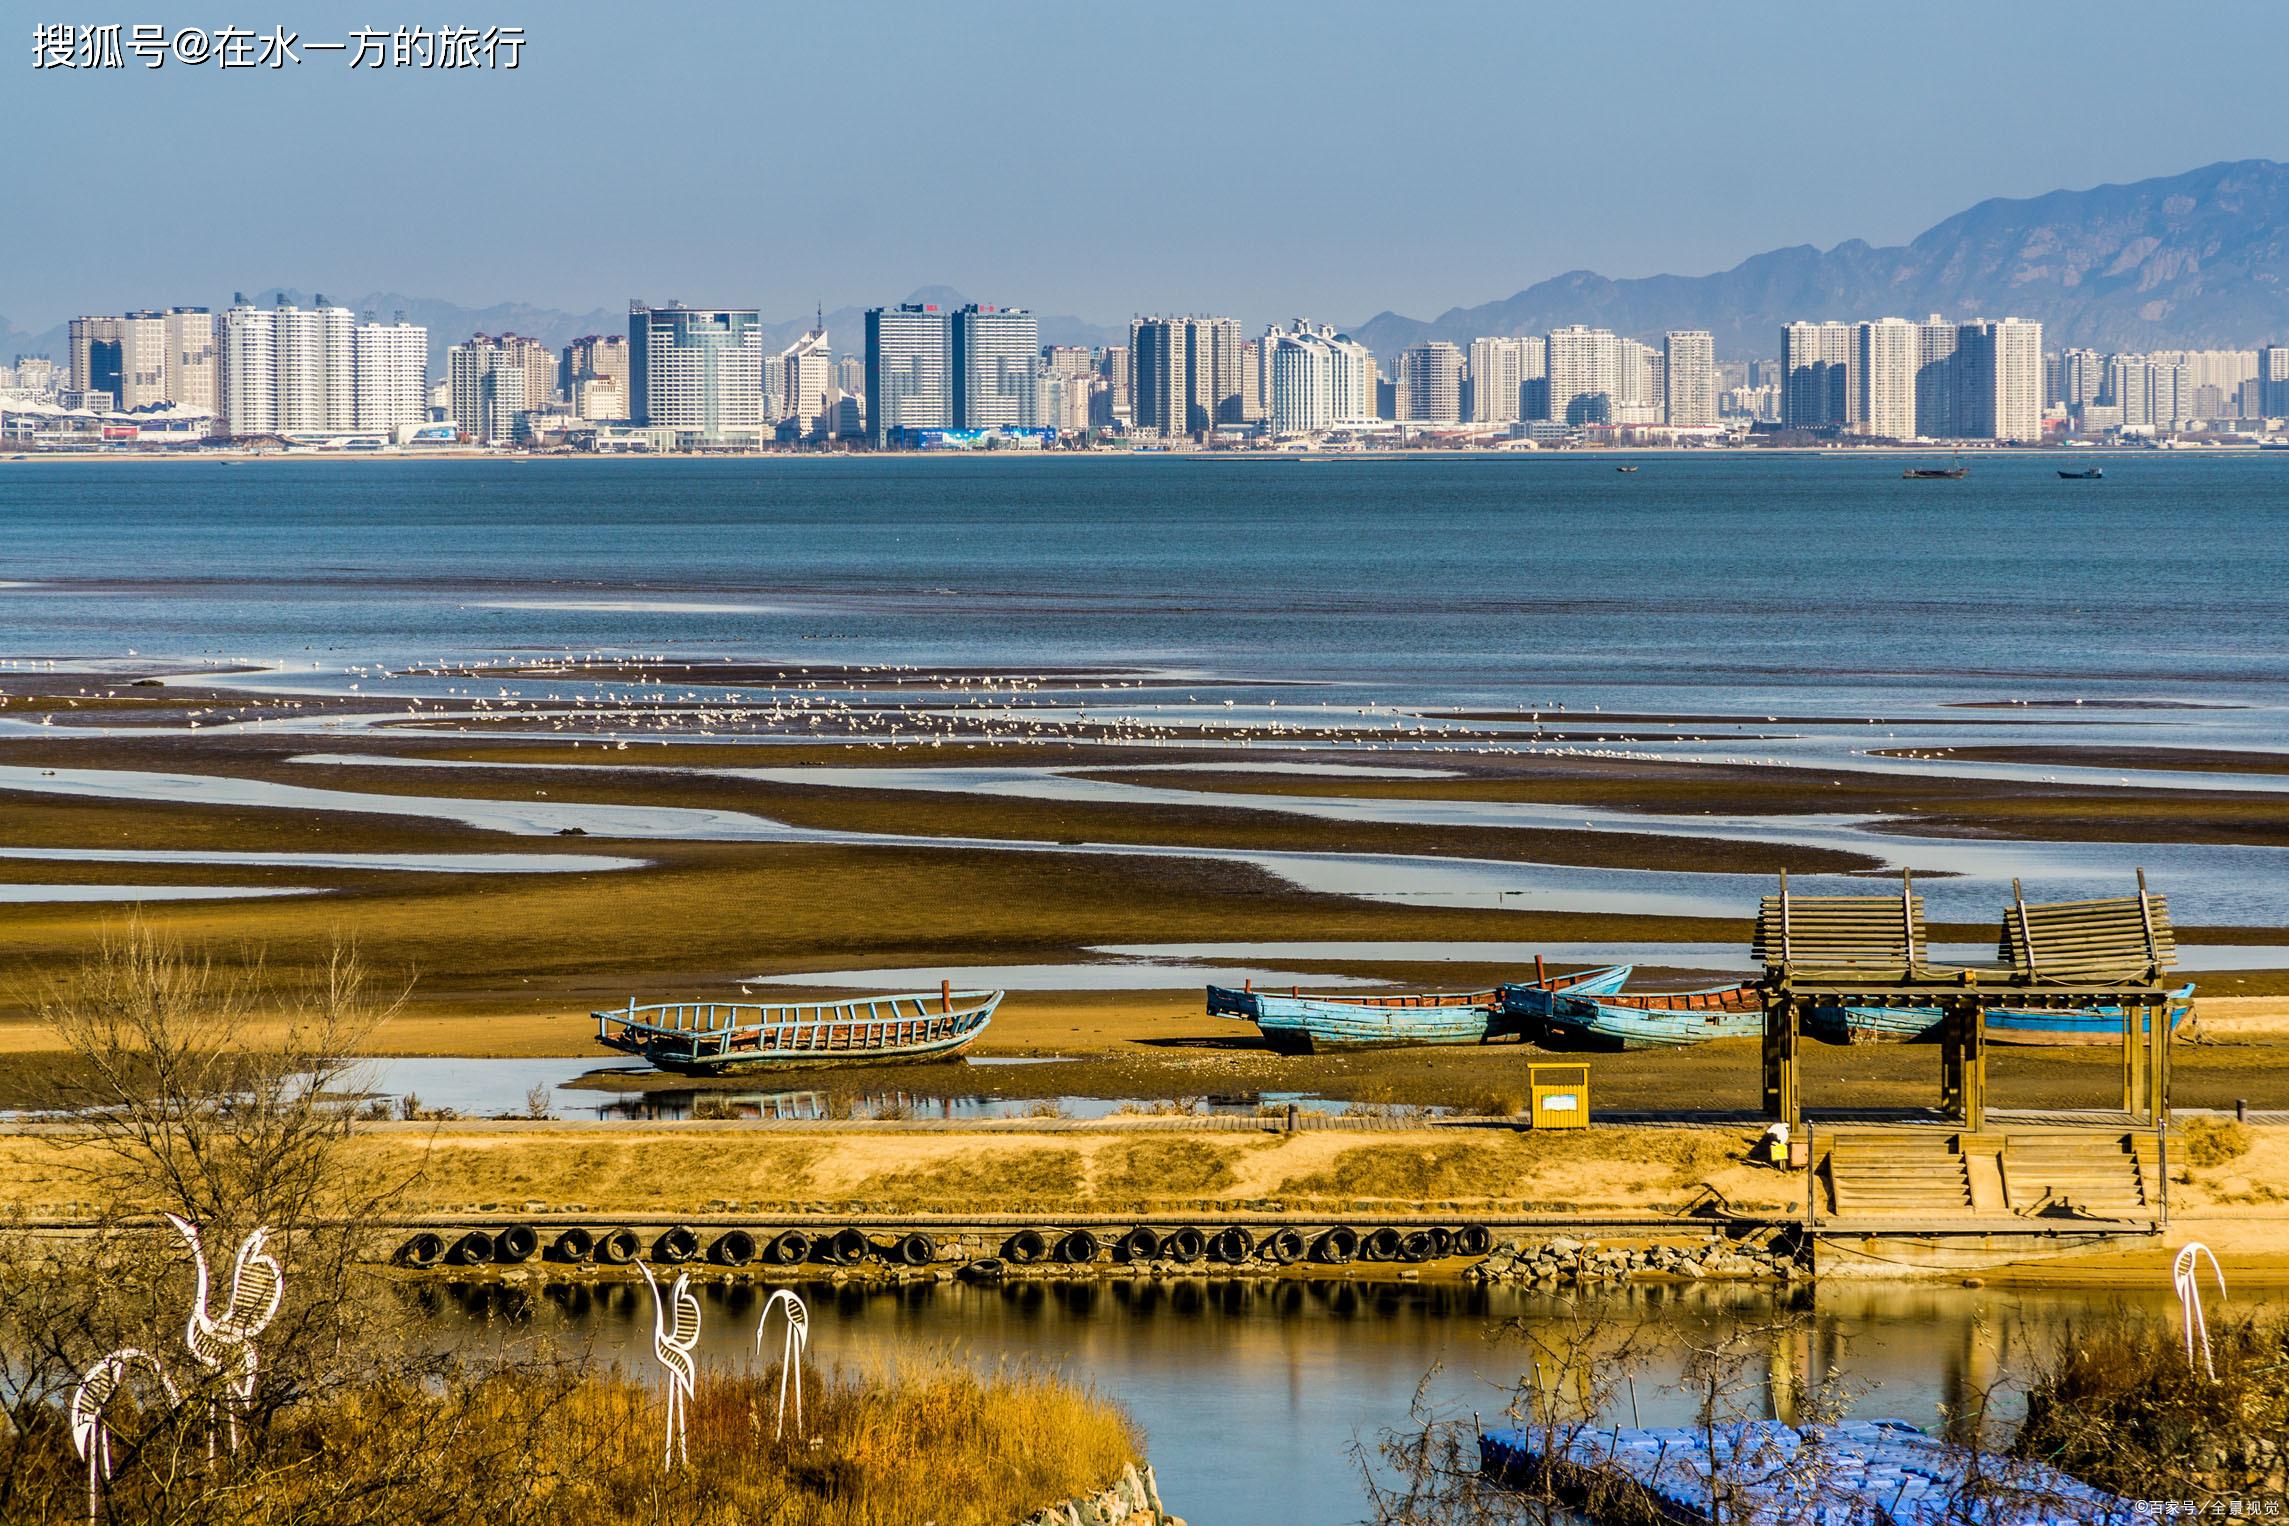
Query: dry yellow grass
[669, 1169]
[924, 1440]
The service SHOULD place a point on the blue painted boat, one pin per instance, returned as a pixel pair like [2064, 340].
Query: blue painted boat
[1648, 1020]
[2005, 1025]
[1846, 1473]
[2089, 1025]
[711, 1037]
[1300, 1024]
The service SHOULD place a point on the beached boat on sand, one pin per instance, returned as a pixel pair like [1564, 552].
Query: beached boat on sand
[1647, 1020]
[709, 1037]
[2005, 1025]
[1300, 1024]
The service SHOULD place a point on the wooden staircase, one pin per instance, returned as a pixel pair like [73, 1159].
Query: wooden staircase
[2083, 1175]
[2047, 1175]
[1897, 1175]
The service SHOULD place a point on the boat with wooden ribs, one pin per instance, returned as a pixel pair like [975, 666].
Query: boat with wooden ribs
[1640, 1020]
[1299, 1024]
[710, 1037]
[2005, 1025]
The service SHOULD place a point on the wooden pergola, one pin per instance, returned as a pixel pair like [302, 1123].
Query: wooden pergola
[1870, 951]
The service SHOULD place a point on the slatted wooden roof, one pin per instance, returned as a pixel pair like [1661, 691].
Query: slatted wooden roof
[1860, 936]
[2127, 938]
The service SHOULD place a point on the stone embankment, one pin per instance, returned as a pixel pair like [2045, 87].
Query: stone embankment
[1568, 1262]
[1133, 1499]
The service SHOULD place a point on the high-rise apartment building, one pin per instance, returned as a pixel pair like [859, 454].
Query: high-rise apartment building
[1116, 368]
[590, 359]
[1430, 383]
[995, 352]
[807, 384]
[1584, 375]
[1184, 374]
[1497, 380]
[1533, 376]
[191, 358]
[1689, 379]
[909, 370]
[1643, 385]
[696, 370]
[389, 375]
[144, 359]
[1816, 368]
[1883, 379]
[592, 374]
[2273, 381]
[487, 376]
[1255, 387]
[286, 369]
[93, 357]
[2001, 379]
[1317, 379]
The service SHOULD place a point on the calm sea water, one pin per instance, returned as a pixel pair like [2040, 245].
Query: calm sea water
[1252, 1395]
[1728, 581]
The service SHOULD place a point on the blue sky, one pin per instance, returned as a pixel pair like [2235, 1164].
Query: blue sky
[1259, 157]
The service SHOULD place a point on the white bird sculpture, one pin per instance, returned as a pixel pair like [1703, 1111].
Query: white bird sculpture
[672, 1343]
[2186, 1277]
[225, 1345]
[91, 1438]
[790, 1354]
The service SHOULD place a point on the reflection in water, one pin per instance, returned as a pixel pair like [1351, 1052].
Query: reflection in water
[1251, 1391]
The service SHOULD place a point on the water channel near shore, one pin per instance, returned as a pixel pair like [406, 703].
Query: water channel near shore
[1253, 1393]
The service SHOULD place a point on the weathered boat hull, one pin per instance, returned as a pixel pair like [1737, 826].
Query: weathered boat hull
[1296, 1024]
[2005, 1025]
[718, 1038]
[2086, 1026]
[1609, 1020]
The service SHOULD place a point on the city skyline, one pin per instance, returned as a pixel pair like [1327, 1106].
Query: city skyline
[931, 376]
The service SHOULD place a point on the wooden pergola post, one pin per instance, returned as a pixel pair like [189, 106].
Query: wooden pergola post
[1974, 1094]
[1781, 1092]
[2158, 1065]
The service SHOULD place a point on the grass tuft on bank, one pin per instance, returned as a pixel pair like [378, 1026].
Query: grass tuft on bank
[928, 1439]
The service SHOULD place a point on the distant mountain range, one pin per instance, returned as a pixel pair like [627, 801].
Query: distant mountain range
[2193, 260]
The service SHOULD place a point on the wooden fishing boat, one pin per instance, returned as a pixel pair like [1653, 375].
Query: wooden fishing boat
[1649, 1020]
[1298, 1024]
[2005, 1025]
[710, 1037]
[1953, 472]
[2087, 1025]
[2087, 474]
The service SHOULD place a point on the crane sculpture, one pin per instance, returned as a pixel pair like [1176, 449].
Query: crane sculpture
[2186, 1277]
[672, 1343]
[791, 1354]
[225, 1345]
[91, 1437]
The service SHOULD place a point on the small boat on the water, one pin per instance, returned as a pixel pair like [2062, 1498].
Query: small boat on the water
[2087, 474]
[1300, 1024]
[1938, 473]
[2005, 1025]
[1647, 1020]
[708, 1037]
[1625, 468]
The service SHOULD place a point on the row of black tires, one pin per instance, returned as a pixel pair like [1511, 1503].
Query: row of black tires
[680, 1243]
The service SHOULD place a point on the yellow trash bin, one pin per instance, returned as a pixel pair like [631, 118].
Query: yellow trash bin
[1560, 1096]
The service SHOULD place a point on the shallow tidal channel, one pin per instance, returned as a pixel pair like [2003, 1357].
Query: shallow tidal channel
[1255, 1396]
